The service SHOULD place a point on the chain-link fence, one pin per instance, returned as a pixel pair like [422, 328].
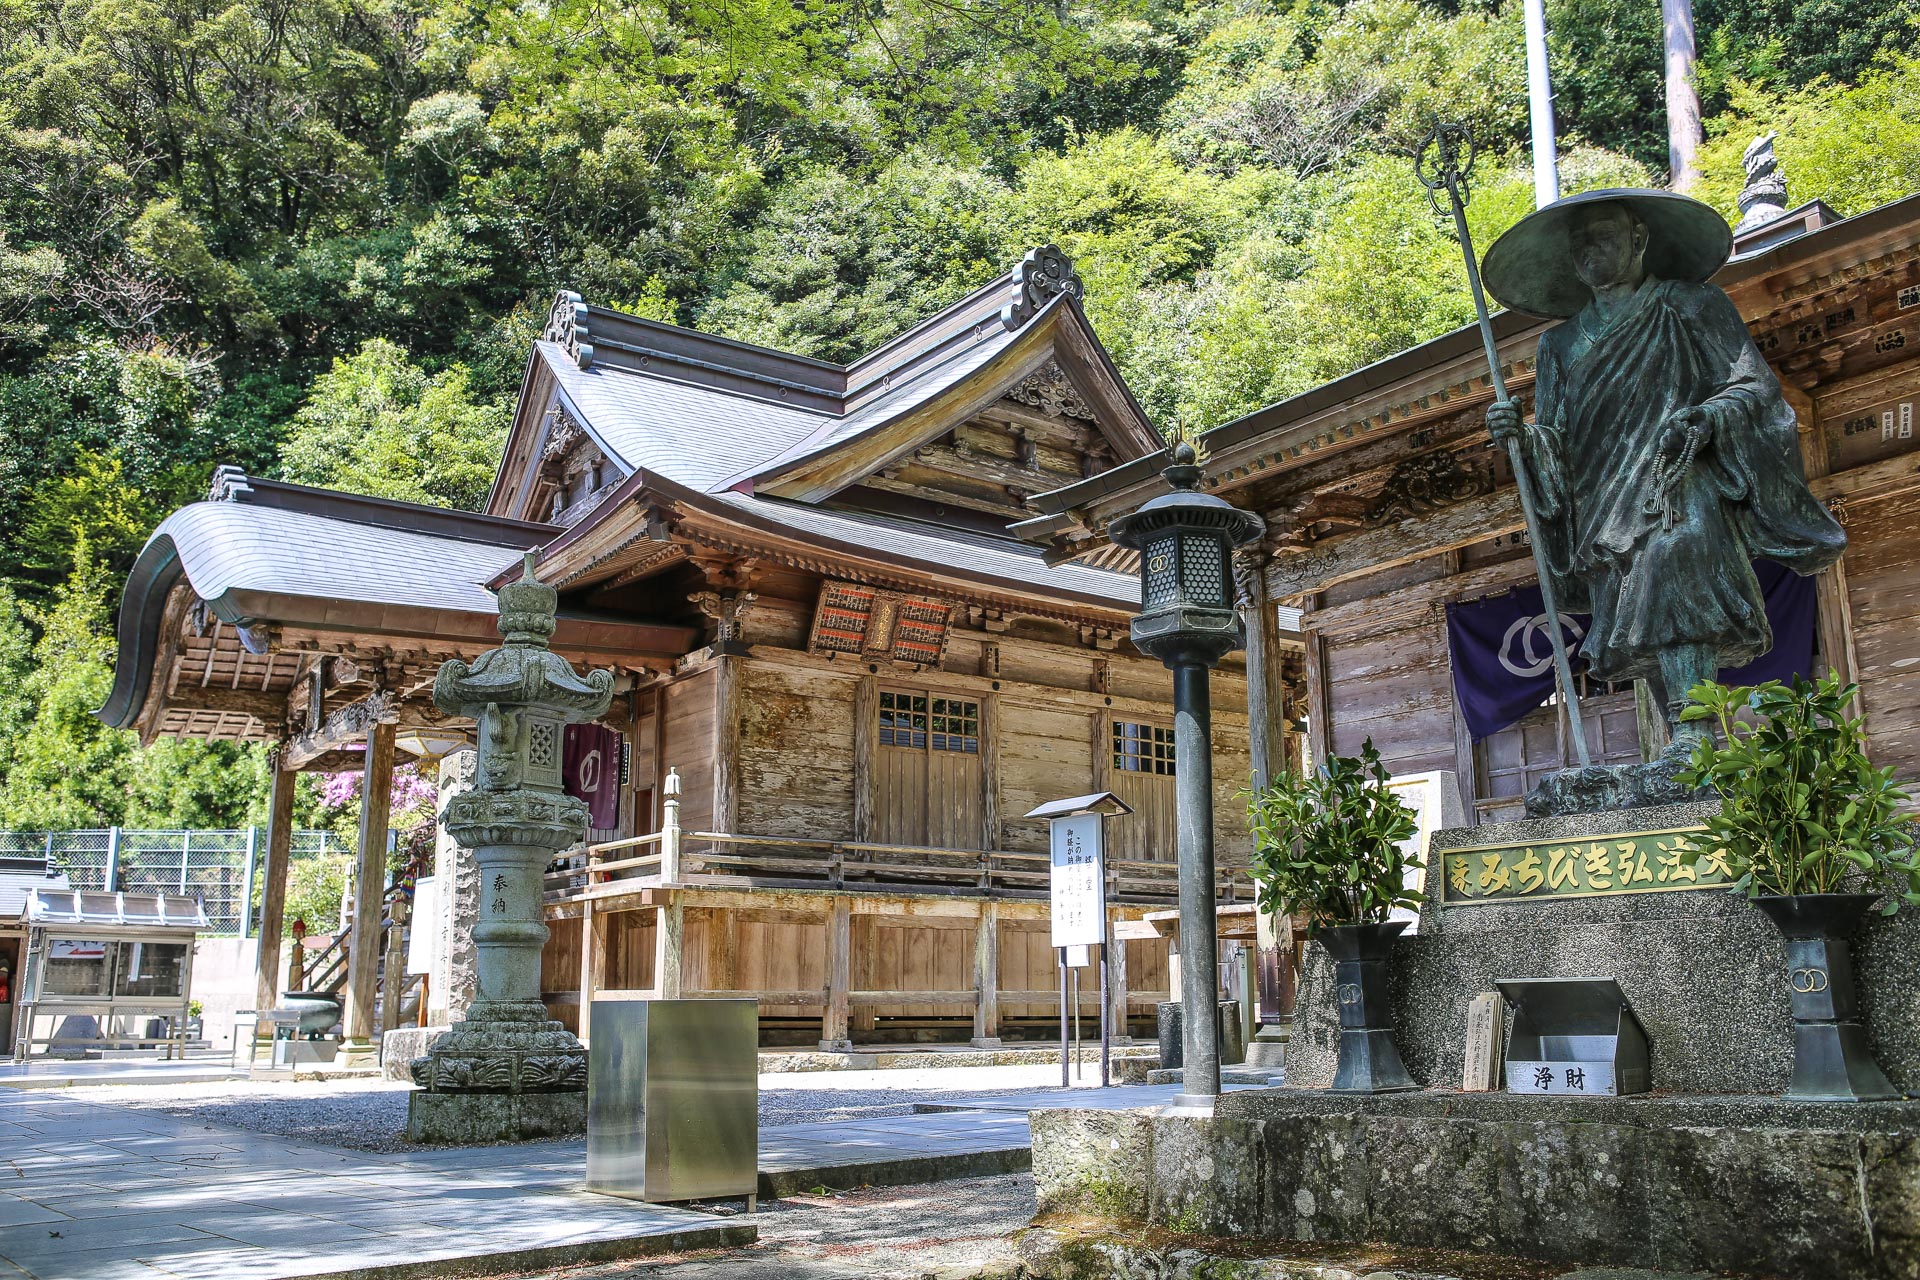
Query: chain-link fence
[217, 867]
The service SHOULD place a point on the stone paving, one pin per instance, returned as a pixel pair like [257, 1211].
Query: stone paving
[92, 1191]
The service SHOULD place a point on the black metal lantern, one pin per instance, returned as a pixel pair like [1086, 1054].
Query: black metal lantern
[1186, 540]
[1187, 620]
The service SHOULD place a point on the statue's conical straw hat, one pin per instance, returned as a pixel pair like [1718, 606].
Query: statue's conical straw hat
[1530, 268]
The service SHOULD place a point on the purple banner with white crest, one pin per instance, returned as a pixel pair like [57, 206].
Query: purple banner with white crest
[1502, 648]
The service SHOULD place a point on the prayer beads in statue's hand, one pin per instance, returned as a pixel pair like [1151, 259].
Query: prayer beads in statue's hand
[1685, 432]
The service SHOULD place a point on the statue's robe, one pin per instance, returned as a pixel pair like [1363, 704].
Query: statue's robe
[1604, 393]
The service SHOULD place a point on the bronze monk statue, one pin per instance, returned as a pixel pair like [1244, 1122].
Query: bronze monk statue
[1664, 454]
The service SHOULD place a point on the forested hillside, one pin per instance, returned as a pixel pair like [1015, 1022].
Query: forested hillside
[314, 237]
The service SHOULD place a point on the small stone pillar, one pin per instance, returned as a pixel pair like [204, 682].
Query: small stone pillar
[456, 903]
[507, 1071]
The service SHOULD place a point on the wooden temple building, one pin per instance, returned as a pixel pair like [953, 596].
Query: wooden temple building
[822, 630]
[1386, 503]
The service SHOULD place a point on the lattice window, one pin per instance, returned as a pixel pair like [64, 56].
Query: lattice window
[1142, 748]
[922, 722]
[1162, 582]
[1203, 568]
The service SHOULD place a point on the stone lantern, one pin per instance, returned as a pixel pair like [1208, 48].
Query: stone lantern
[507, 1071]
[1187, 620]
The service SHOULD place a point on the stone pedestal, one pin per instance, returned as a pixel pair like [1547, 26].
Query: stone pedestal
[506, 1071]
[474, 1118]
[1704, 970]
[1753, 1186]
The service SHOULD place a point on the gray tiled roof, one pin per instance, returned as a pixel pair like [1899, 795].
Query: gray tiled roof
[897, 400]
[14, 886]
[942, 547]
[708, 440]
[236, 546]
[693, 435]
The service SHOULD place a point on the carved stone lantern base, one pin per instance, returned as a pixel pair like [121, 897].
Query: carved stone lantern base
[502, 1074]
[472, 1118]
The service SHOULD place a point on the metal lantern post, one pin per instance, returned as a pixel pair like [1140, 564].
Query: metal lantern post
[1188, 621]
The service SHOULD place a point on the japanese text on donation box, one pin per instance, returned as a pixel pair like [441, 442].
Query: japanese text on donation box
[1079, 900]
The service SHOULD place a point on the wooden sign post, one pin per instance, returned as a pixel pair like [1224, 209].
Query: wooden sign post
[1077, 878]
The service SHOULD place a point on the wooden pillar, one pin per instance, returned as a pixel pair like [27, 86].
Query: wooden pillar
[986, 978]
[726, 745]
[1266, 694]
[866, 780]
[593, 962]
[1101, 728]
[1319, 708]
[1114, 956]
[1833, 603]
[863, 942]
[369, 889]
[273, 897]
[722, 951]
[393, 979]
[833, 1024]
[989, 771]
[669, 942]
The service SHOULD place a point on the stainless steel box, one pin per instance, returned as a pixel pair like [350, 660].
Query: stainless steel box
[673, 1099]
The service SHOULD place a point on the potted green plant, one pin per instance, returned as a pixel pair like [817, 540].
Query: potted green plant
[1814, 835]
[1329, 846]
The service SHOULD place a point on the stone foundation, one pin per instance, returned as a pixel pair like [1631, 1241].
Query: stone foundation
[1704, 970]
[1754, 1186]
[468, 1118]
[400, 1046]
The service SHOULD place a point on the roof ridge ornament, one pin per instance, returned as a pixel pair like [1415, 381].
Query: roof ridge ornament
[1764, 197]
[229, 485]
[567, 324]
[1042, 275]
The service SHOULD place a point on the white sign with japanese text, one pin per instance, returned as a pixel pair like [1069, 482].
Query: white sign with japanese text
[1078, 882]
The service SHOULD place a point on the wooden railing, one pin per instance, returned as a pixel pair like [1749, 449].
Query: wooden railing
[672, 856]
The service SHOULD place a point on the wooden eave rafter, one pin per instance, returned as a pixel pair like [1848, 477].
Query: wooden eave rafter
[1060, 333]
[525, 435]
[302, 625]
[682, 524]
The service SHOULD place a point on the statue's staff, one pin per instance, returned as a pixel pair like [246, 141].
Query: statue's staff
[1444, 161]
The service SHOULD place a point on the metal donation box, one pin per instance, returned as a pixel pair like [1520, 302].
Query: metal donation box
[1573, 1036]
[673, 1099]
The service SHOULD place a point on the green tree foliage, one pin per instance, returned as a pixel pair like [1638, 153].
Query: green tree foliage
[377, 423]
[315, 237]
[1854, 146]
[60, 767]
[66, 769]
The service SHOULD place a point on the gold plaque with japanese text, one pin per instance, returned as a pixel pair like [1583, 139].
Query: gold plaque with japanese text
[1592, 866]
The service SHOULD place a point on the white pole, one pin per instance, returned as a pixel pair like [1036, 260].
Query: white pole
[1546, 166]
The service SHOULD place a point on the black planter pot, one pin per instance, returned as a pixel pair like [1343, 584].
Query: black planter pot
[1831, 1062]
[1369, 1061]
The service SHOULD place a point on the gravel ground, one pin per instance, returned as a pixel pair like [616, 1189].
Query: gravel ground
[371, 1115]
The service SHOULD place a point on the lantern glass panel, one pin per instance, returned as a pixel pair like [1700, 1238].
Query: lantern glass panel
[1203, 570]
[1160, 576]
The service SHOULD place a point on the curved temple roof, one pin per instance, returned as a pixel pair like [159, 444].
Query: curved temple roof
[256, 541]
[756, 443]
